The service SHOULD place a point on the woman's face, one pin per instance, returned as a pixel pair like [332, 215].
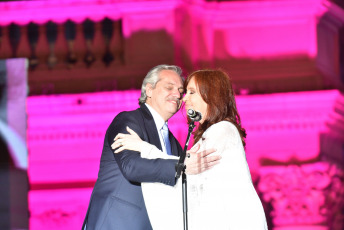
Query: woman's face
[193, 100]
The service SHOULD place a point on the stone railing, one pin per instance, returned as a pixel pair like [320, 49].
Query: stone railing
[85, 46]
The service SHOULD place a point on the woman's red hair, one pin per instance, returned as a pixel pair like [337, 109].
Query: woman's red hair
[216, 90]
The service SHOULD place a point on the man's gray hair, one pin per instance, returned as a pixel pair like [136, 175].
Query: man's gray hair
[152, 78]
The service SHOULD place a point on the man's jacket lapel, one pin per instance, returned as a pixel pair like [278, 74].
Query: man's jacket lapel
[152, 132]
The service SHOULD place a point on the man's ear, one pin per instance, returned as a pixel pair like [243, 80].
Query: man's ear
[149, 90]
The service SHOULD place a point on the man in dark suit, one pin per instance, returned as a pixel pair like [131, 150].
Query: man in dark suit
[117, 201]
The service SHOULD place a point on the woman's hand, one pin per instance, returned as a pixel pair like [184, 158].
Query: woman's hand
[199, 161]
[129, 141]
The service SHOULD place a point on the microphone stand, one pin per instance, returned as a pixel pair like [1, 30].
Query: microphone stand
[180, 168]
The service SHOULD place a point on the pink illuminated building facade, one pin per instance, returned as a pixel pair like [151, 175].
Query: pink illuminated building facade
[284, 57]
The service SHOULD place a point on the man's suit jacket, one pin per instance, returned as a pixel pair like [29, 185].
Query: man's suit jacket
[117, 201]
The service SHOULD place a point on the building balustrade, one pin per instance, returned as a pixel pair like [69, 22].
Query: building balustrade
[78, 46]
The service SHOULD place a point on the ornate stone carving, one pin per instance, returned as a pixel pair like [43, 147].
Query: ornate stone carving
[309, 194]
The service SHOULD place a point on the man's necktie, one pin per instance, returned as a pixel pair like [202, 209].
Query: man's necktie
[164, 132]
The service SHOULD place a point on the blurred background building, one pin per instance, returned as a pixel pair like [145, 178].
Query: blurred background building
[68, 67]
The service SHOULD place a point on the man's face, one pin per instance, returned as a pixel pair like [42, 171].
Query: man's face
[165, 97]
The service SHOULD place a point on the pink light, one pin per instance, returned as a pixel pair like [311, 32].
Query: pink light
[65, 138]
[230, 29]
[40, 12]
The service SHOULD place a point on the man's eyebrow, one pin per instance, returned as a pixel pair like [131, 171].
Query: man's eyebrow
[173, 84]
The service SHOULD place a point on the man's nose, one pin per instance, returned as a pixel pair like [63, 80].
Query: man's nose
[176, 93]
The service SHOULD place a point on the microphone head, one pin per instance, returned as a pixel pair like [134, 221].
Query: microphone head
[191, 112]
[194, 115]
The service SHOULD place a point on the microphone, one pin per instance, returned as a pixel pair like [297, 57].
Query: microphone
[194, 115]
